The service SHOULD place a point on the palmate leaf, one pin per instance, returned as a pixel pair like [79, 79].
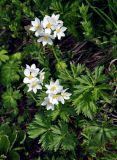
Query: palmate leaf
[85, 105]
[9, 73]
[99, 134]
[52, 137]
[39, 126]
[92, 87]
[66, 139]
[10, 98]
[71, 75]
[64, 112]
[3, 56]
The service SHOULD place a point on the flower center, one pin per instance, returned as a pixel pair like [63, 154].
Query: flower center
[34, 84]
[58, 30]
[55, 96]
[30, 77]
[46, 38]
[48, 25]
[53, 88]
[37, 26]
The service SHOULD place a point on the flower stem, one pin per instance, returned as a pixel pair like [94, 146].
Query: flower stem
[54, 52]
[34, 98]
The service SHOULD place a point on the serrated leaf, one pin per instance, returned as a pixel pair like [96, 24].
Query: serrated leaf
[10, 98]
[3, 56]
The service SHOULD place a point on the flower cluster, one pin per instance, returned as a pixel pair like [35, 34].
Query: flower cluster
[56, 94]
[33, 82]
[48, 29]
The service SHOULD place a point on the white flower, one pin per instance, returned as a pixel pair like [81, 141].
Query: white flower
[59, 32]
[64, 96]
[47, 103]
[37, 27]
[55, 19]
[54, 98]
[41, 76]
[54, 87]
[34, 86]
[46, 39]
[30, 73]
[48, 24]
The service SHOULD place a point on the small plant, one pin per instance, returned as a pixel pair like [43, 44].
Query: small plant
[54, 105]
[9, 139]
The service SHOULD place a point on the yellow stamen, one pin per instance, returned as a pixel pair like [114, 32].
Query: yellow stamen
[55, 96]
[30, 77]
[34, 84]
[58, 30]
[53, 88]
[46, 38]
[48, 25]
[37, 26]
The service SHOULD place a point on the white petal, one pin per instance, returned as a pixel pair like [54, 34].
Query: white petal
[37, 33]
[47, 86]
[55, 33]
[45, 22]
[59, 36]
[40, 40]
[30, 89]
[44, 103]
[57, 16]
[35, 90]
[34, 23]
[26, 80]
[27, 72]
[32, 29]
[50, 41]
[44, 43]
[39, 87]
[60, 22]
[61, 99]
[48, 30]
[33, 66]
[63, 34]
[63, 29]
[37, 20]
[50, 107]
[57, 82]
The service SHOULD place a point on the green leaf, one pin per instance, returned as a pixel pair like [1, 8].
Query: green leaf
[89, 91]
[10, 98]
[14, 155]
[38, 126]
[3, 56]
[52, 137]
[9, 73]
[12, 139]
[4, 144]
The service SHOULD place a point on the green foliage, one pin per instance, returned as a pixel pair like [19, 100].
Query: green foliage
[92, 88]
[85, 126]
[9, 137]
[10, 98]
[3, 56]
[86, 22]
[52, 137]
[97, 136]
[70, 75]
[9, 72]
